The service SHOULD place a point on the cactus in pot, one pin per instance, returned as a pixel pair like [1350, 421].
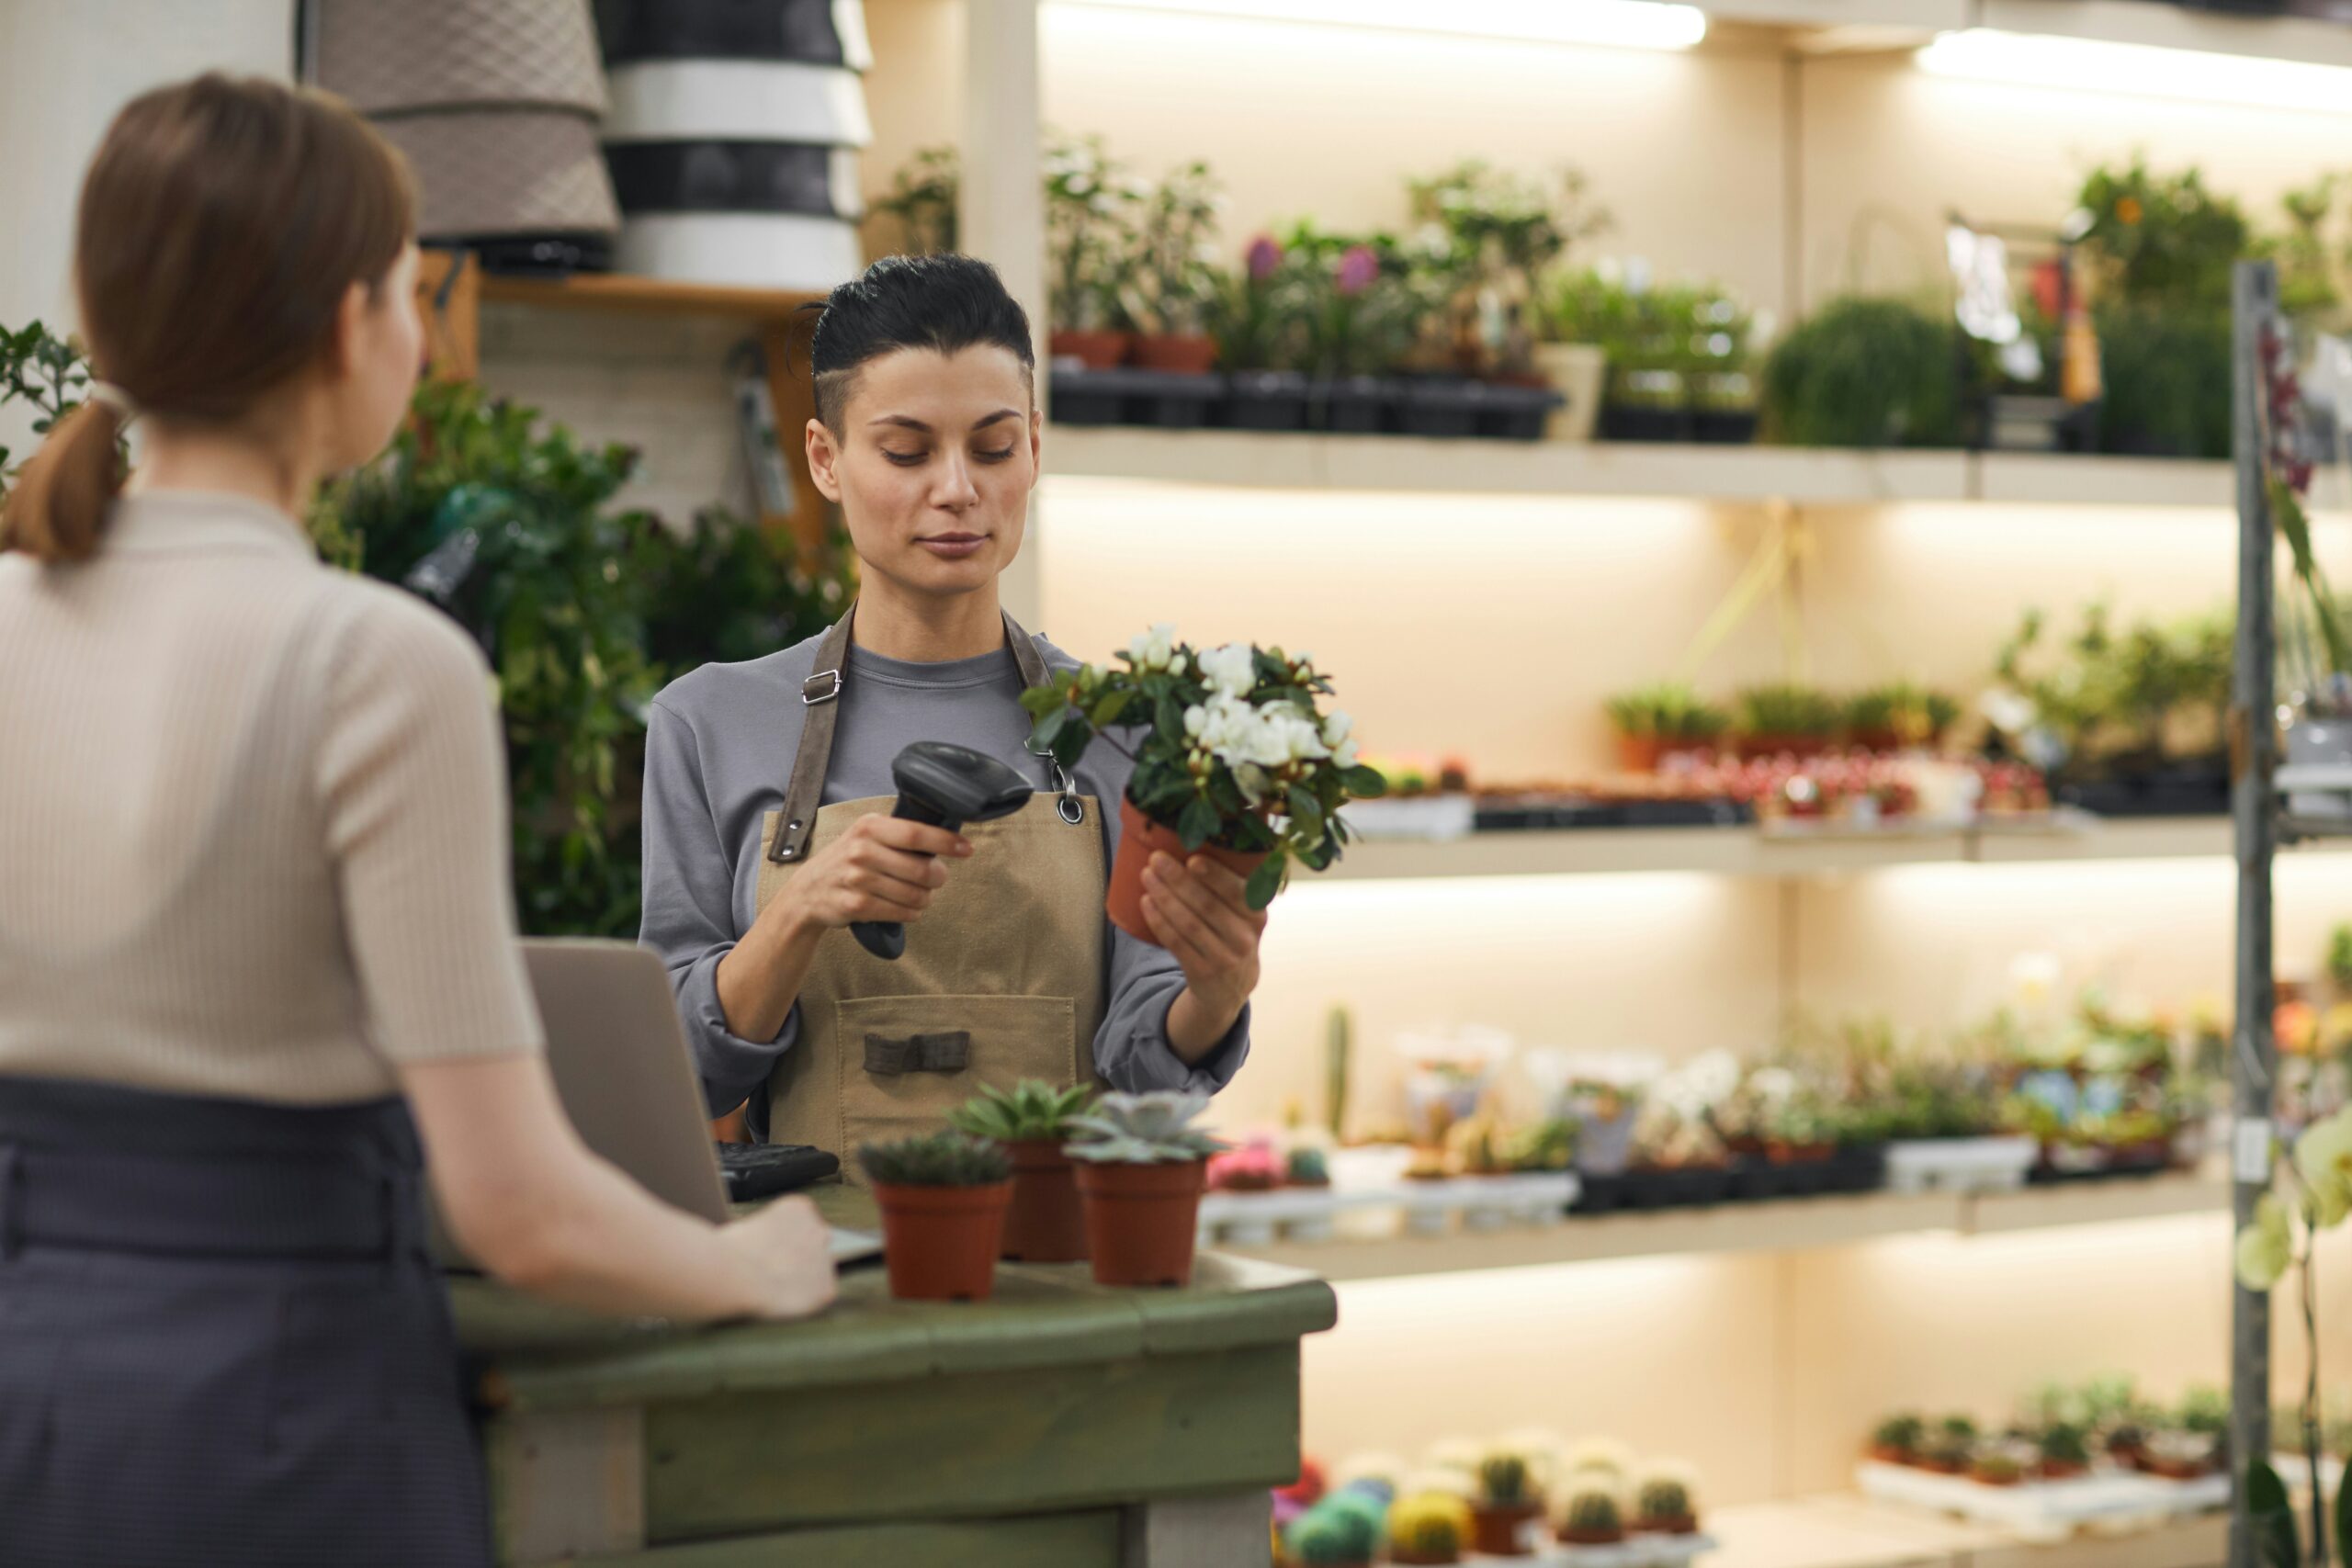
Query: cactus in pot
[1665, 1500]
[1141, 1167]
[1430, 1527]
[1593, 1516]
[943, 1200]
[1032, 1120]
[1506, 1504]
[1898, 1439]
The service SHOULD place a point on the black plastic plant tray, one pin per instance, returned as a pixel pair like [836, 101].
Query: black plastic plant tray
[1090, 396]
[1509, 816]
[2181, 792]
[1170, 400]
[1646, 1189]
[1621, 422]
[2136, 1168]
[1722, 427]
[1266, 399]
[1354, 405]
[1443, 407]
[1516, 414]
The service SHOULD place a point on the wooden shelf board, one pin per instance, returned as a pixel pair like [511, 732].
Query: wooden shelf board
[648, 295]
[1793, 1225]
[1843, 1530]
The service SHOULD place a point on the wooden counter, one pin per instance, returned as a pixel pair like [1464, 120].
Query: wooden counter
[1059, 1423]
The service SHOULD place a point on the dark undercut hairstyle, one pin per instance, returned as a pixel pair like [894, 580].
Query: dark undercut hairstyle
[943, 303]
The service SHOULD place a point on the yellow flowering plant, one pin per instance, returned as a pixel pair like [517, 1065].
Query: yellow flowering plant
[2311, 1192]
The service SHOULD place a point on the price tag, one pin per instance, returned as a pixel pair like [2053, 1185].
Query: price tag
[2253, 1150]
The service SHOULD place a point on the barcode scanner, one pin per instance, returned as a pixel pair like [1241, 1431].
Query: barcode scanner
[943, 786]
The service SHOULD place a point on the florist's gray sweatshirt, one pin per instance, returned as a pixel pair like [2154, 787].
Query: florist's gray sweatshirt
[718, 754]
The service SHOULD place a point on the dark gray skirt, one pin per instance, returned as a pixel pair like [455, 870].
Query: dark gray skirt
[222, 1339]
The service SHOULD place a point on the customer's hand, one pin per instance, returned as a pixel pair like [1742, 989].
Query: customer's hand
[786, 1252]
[1200, 912]
[882, 868]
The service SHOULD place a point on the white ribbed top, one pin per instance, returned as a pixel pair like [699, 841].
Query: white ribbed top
[253, 819]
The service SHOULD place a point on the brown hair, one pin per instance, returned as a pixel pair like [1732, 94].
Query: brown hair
[220, 225]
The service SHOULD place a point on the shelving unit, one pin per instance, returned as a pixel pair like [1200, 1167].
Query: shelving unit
[1845, 1530]
[1793, 1225]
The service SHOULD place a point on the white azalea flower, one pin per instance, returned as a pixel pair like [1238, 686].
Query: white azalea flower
[1196, 719]
[1155, 649]
[1231, 668]
[1338, 726]
[1344, 754]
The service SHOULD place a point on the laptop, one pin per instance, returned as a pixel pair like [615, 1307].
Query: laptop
[626, 1080]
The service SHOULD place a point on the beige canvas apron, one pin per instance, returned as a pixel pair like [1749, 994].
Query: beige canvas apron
[1002, 976]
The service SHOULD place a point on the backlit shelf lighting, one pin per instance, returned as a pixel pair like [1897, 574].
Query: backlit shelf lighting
[1616, 24]
[2043, 60]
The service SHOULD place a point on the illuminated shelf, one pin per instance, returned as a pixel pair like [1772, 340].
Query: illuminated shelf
[1726, 475]
[1845, 1530]
[1789, 1225]
[1749, 852]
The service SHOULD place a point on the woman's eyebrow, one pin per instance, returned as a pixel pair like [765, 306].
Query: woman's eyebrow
[997, 418]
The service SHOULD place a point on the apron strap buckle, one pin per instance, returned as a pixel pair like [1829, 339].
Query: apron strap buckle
[831, 683]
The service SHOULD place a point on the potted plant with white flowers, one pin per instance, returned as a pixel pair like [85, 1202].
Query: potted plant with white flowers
[1233, 758]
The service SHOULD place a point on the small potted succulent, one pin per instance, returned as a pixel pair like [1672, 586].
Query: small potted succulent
[1898, 1439]
[1655, 722]
[1140, 1163]
[2065, 1451]
[1594, 1515]
[1252, 1168]
[1343, 1531]
[1032, 1120]
[1428, 1529]
[1998, 1466]
[1785, 718]
[1307, 1166]
[1899, 715]
[942, 1198]
[1949, 1447]
[1506, 1507]
[2177, 1454]
[1665, 1501]
[1233, 758]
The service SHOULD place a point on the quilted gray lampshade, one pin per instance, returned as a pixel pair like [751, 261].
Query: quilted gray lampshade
[505, 172]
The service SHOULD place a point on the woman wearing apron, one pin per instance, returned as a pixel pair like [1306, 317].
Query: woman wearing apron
[254, 909]
[768, 787]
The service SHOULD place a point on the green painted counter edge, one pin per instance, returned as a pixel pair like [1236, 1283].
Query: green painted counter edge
[1064, 1540]
[541, 1358]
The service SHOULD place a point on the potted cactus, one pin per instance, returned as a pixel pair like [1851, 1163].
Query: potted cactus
[2065, 1451]
[1898, 1440]
[1593, 1515]
[942, 1198]
[1653, 722]
[1045, 1224]
[1506, 1504]
[1665, 1501]
[1430, 1527]
[1343, 1531]
[1140, 1166]
[1800, 721]
[1996, 1467]
[1949, 1447]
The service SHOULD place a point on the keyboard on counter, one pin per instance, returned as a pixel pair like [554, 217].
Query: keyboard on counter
[753, 1171]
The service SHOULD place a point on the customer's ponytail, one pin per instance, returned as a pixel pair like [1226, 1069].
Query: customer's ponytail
[58, 504]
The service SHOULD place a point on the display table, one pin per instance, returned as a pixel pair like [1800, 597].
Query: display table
[1059, 1423]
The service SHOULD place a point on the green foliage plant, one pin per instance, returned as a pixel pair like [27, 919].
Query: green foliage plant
[1091, 204]
[1669, 711]
[936, 1159]
[1788, 708]
[1173, 277]
[1155, 1128]
[1030, 1111]
[1864, 372]
[1231, 748]
[923, 199]
[40, 368]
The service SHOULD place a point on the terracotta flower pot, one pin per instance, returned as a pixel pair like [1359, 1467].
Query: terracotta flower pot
[1751, 747]
[1591, 1537]
[1141, 1220]
[1045, 1224]
[1640, 753]
[1405, 1556]
[1893, 1455]
[1094, 348]
[1139, 836]
[1983, 1478]
[1186, 354]
[2062, 1470]
[1503, 1532]
[1684, 1525]
[940, 1243]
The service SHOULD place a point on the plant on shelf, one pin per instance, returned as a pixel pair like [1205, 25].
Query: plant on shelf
[1233, 756]
[1665, 1500]
[1652, 721]
[1506, 1505]
[1864, 372]
[1173, 278]
[1998, 1466]
[1032, 1120]
[1363, 304]
[1785, 717]
[1090, 203]
[1261, 316]
[1899, 715]
[1950, 1445]
[2161, 239]
[942, 1198]
[1678, 355]
[2113, 704]
[1549, 1145]
[1898, 1439]
[1593, 1515]
[923, 196]
[1343, 1531]
[1141, 1163]
[1502, 231]
[1428, 1529]
[2064, 1449]
[2310, 1192]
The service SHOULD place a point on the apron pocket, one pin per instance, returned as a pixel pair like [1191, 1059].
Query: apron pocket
[910, 1060]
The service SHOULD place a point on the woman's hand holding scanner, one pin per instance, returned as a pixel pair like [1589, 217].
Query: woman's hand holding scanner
[1200, 911]
[882, 868]
[945, 786]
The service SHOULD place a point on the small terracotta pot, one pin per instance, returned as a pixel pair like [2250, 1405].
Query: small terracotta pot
[1186, 354]
[1640, 753]
[2066, 1470]
[1094, 348]
[1139, 836]
[1686, 1525]
[1893, 1455]
[1045, 1224]
[1983, 1480]
[940, 1243]
[1404, 1556]
[1503, 1532]
[1750, 747]
[1941, 1466]
[1591, 1537]
[1141, 1220]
